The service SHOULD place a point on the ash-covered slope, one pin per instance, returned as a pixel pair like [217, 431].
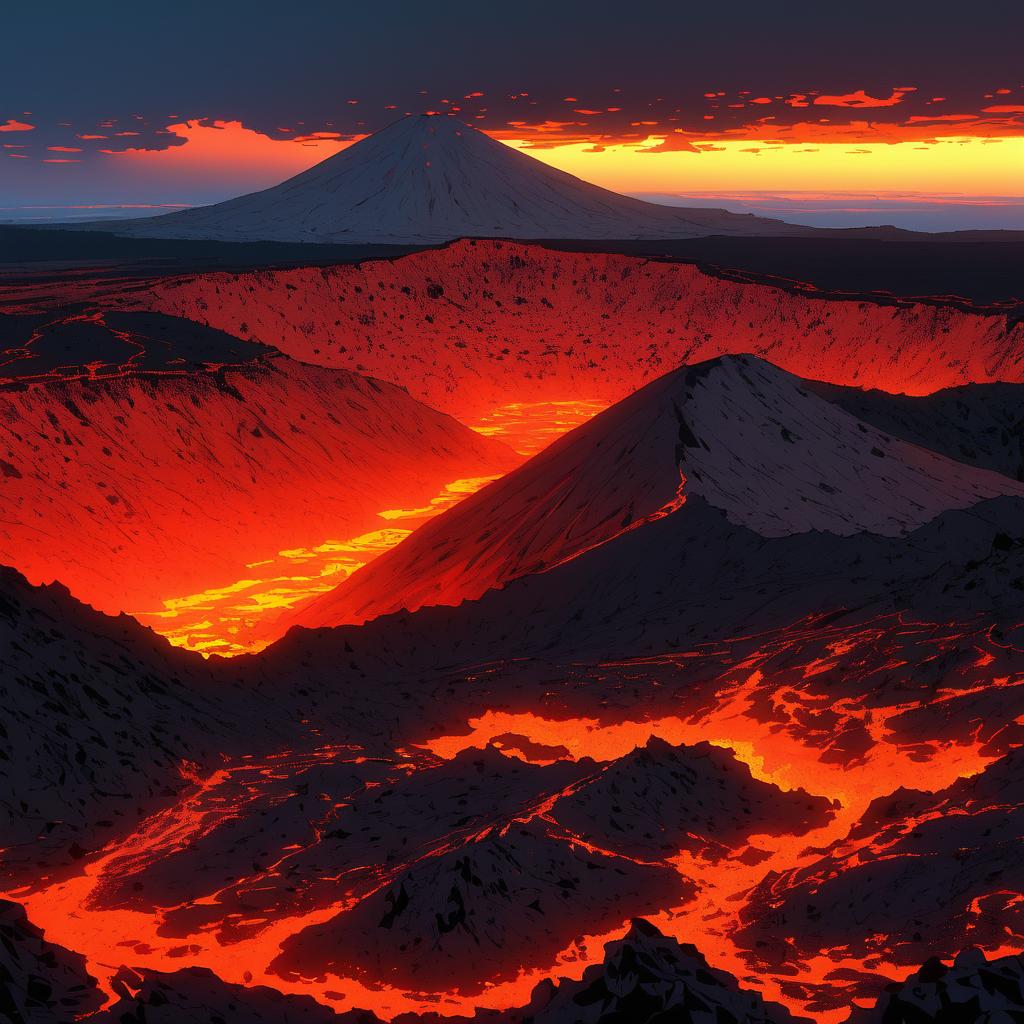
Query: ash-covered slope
[344, 828]
[748, 438]
[980, 424]
[427, 179]
[482, 913]
[146, 458]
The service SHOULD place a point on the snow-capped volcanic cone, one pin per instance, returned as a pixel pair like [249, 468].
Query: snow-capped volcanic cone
[427, 179]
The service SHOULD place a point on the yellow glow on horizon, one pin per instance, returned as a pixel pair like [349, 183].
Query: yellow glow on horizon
[968, 165]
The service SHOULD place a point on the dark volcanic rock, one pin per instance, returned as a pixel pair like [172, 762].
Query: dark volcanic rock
[197, 996]
[978, 424]
[97, 716]
[647, 978]
[40, 982]
[660, 799]
[917, 874]
[972, 990]
[482, 912]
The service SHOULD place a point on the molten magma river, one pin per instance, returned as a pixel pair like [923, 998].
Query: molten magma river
[237, 616]
[772, 745]
[222, 619]
[528, 427]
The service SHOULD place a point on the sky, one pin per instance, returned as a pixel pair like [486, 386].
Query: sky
[826, 112]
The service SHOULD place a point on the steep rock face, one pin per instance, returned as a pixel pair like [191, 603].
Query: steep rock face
[167, 467]
[662, 799]
[38, 980]
[512, 900]
[748, 438]
[970, 990]
[478, 325]
[431, 179]
[647, 978]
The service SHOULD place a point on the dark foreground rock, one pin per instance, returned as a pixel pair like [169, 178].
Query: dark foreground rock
[972, 990]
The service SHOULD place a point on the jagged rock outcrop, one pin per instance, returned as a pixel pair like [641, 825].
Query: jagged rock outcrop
[40, 983]
[970, 990]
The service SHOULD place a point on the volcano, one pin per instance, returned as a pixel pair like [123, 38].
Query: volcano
[750, 439]
[429, 178]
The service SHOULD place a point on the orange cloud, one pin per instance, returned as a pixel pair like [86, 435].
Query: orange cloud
[674, 142]
[860, 99]
[227, 150]
[16, 126]
[1004, 108]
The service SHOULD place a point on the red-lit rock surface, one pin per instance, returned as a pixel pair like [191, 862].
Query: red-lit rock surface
[478, 325]
[251, 816]
[160, 471]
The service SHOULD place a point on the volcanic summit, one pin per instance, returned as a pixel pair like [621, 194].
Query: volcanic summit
[427, 179]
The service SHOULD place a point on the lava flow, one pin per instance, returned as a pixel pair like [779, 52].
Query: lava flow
[775, 703]
[528, 427]
[238, 617]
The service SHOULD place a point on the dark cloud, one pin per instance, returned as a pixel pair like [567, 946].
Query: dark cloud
[111, 75]
[347, 66]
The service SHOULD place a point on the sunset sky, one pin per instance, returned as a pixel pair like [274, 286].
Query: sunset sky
[862, 113]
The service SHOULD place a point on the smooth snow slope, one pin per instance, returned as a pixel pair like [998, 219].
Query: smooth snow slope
[427, 179]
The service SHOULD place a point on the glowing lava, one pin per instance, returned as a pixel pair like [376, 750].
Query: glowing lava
[765, 698]
[226, 620]
[527, 427]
